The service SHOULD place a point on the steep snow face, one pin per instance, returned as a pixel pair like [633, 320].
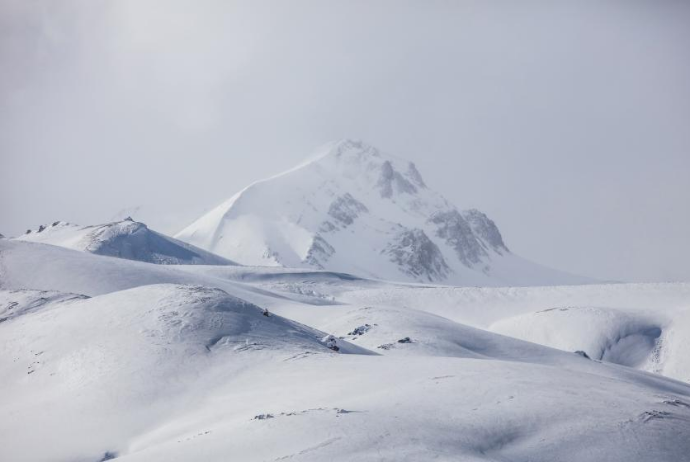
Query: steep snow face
[353, 209]
[124, 239]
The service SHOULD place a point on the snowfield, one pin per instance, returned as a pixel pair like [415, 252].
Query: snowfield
[111, 358]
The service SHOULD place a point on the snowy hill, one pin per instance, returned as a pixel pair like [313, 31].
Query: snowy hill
[354, 209]
[124, 239]
[646, 326]
[140, 362]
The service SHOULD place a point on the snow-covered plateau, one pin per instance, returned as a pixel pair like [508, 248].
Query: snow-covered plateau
[340, 322]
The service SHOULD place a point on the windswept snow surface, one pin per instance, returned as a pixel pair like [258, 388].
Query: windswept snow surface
[110, 358]
[354, 209]
[124, 239]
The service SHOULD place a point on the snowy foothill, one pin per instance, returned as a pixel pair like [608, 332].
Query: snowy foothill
[124, 239]
[112, 358]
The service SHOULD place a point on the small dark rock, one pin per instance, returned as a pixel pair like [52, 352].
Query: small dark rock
[361, 330]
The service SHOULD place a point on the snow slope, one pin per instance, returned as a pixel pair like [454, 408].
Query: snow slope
[176, 363]
[650, 323]
[640, 325]
[99, 362]
[646, 326]
[356, 210]
[124, 239]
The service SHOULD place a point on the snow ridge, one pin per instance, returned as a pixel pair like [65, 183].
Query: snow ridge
[123, 239]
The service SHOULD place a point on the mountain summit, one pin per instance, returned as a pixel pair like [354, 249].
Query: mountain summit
[354, 209]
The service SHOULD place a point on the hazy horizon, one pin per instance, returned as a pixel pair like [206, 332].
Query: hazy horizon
[567, 124]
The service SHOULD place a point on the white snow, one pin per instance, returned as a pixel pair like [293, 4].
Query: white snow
[178, 363]
[345, 209]
[310, 353]
[125, 239]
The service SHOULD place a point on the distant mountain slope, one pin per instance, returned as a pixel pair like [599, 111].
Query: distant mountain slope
[354, 209]
[123, 239]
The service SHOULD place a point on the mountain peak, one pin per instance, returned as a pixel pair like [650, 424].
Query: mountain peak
[366, 164]
[348, 147]
[352, 208]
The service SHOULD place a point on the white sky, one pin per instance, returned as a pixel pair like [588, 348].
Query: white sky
[567, 122]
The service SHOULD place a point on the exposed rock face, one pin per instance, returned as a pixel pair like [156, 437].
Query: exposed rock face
[319, 252]
[416, 255]
[345, 209]
[458, 234]
[391, 181]
[414, 175]
[347, 147]
[486, 230]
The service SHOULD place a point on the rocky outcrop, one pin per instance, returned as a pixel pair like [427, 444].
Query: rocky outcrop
[319, 252]
[345, 209]
[458, 234]
[414, 175]
[484, 228]
[417, 256]
[391, 181]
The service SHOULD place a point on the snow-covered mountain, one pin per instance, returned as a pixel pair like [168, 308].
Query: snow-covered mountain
[137, 361]
[354, 209]
[124, 239]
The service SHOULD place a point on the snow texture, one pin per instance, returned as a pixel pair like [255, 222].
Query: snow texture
[107, 358]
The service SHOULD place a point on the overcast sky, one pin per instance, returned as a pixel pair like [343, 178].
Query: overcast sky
[567, 122]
